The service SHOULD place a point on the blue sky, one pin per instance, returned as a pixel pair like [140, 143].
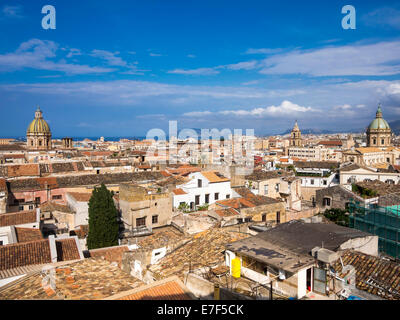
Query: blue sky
[120, 68]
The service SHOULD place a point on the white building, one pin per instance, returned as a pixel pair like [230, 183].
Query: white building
[203, 188]
[79, 203]
[355, 173]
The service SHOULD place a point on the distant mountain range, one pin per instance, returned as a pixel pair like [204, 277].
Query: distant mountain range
[395, 126]
[323, 131]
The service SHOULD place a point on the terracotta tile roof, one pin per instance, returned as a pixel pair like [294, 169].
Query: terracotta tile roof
[259, 175]
[14, 156]
[372, 273]
[82, 180]
[331, 143]
[179, 191]
[213, 176]
[23, 254]
[23, 170]
[368, 150]
[111, 254]
[88, 279]
[97, 153]
[236, 203]
[17, 218]
[36, 252]
[229, 212]
[28, 234]
[53, 206]
[255, 200]
[172, 289]
[80, 196]
[67, 249]
[205, 248]
[165, 173]
[49, 182]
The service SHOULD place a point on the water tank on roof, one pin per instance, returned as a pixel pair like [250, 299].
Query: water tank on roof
[235, 265]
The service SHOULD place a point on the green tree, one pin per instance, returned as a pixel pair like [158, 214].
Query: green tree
[337, 216]
[103, 219]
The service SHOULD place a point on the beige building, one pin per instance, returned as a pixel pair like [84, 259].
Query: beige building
[276, 185]
[142, 208]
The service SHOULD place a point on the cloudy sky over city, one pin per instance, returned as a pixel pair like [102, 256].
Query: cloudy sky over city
[120, 68]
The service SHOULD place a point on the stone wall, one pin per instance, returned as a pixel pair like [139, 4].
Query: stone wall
[338, 196]
[269, 209]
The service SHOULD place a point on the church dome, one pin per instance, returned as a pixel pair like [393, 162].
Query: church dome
[38, 125]
[379, 122]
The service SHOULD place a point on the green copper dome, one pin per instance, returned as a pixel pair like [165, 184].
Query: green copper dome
[379, 122]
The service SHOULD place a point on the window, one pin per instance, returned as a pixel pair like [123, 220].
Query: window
[30, 207]
[155, 204]
[278, 217]
[264, 217]
[324, 182]
[197, 200]
[312, 181]
[382, 141]
[199, 183]
[207, 198]
[327, 202]
[141, 222]
[21, 208]
[266, 189]
[37, 199]
[228, 196]
[1, 243]
[40, 142]
[56, 197]
[216, 196]
[277, 187]
[154, 219]
[374, 141]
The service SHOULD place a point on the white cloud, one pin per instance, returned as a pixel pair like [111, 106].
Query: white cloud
[285, 108]
[386, 16]
[12, 11]
[152, 54]
[74, 52]
[377, 59]
[343, 107]
[191, 56]
[199, 71]
[263, 51]
[110, 57]
[197, 114]
[37, 54]
[246, 65]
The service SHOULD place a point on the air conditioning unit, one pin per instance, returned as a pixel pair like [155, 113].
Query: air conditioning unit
[324, 255]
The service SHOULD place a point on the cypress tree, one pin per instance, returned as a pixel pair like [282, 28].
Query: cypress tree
[103, 219]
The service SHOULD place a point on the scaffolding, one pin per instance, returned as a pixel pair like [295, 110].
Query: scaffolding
[382, 219]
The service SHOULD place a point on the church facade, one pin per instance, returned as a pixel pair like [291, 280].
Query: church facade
[379, 152]
[379, 133]
[38, 134]
[295, 136]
